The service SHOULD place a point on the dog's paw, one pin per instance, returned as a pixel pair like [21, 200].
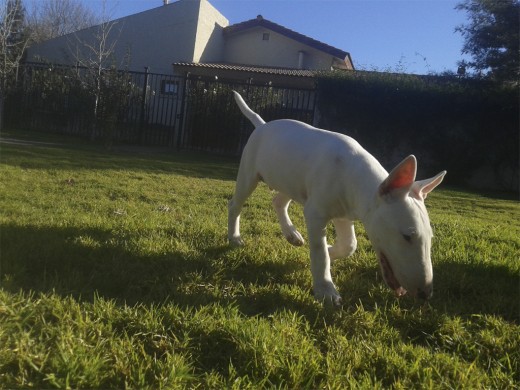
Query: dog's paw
[338, 251]
[295, 238]
[327, 294]
[236, 241]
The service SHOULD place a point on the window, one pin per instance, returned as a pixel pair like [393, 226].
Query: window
[265, 36]
[169, 87]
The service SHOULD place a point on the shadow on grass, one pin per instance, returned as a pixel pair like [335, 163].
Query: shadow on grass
[72, 157]
[469, 293]
[467, 289]
[85, 263]
[89, 262]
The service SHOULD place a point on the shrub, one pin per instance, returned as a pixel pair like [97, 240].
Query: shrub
[463, 125]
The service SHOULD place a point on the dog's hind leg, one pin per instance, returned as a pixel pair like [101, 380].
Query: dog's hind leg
[246, 184]
[346, 243]
[281, 204]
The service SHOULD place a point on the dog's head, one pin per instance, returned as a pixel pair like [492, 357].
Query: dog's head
[400, 232]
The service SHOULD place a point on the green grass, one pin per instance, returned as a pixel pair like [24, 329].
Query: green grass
[115, 273]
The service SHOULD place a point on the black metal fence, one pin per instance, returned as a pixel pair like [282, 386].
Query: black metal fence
[213, 121]
[147, 108]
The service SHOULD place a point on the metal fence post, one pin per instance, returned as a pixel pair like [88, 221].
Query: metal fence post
[182, 120]
[143, 104]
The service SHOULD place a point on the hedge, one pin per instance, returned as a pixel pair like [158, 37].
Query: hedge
[469, 127]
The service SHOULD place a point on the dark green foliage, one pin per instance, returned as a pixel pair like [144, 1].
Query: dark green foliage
[62, 98]
[492, 37]
[460, 125]
[215, 123]
[212, 118]
[117, 94]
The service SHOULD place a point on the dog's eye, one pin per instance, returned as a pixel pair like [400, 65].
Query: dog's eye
[407, 237]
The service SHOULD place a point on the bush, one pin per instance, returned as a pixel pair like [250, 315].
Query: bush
[463, 125]
[215, 123]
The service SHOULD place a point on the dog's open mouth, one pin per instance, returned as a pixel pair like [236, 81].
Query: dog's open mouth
[389, 277]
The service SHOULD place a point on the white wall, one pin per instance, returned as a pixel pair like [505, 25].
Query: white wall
[248, 47]
[158, 37]
[154, 38]
[209, 46]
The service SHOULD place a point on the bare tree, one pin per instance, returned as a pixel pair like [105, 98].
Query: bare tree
[53, 18]
[95, 52]
[13, 42]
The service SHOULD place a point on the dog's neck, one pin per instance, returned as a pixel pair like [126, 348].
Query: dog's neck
[363, 187]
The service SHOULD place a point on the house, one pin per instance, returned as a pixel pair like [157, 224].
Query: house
[197, 39]
[192, 54]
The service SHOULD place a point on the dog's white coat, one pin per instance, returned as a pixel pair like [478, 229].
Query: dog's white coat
[336, 179]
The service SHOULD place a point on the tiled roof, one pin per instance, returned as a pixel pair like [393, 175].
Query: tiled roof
[261, 22]
[249, 68]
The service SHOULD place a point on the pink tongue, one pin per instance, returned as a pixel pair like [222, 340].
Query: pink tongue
[399, 292]
[388, 275]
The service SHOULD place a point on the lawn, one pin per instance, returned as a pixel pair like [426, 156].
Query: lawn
[116, 273]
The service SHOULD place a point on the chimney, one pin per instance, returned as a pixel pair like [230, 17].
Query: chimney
[301, 58]
[166, 2]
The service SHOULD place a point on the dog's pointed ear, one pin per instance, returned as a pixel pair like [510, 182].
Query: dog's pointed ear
[421, 189]
[400, 179]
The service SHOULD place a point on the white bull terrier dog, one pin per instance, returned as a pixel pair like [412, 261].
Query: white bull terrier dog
[334, 178]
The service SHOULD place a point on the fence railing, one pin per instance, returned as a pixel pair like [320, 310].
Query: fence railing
[147, 108]
[213, 121]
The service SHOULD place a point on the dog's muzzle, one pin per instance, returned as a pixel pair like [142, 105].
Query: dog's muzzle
[389, 277]
[393, 283]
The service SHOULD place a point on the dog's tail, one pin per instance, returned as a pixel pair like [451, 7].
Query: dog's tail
[255, 119]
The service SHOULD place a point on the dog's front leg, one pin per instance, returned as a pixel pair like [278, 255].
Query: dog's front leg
[324, 289]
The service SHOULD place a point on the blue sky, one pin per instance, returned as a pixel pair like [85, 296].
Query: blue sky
[412, 36]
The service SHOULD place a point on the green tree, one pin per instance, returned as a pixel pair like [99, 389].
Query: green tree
[492, 37]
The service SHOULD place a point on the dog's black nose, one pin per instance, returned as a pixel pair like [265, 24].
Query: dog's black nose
[425, 295]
